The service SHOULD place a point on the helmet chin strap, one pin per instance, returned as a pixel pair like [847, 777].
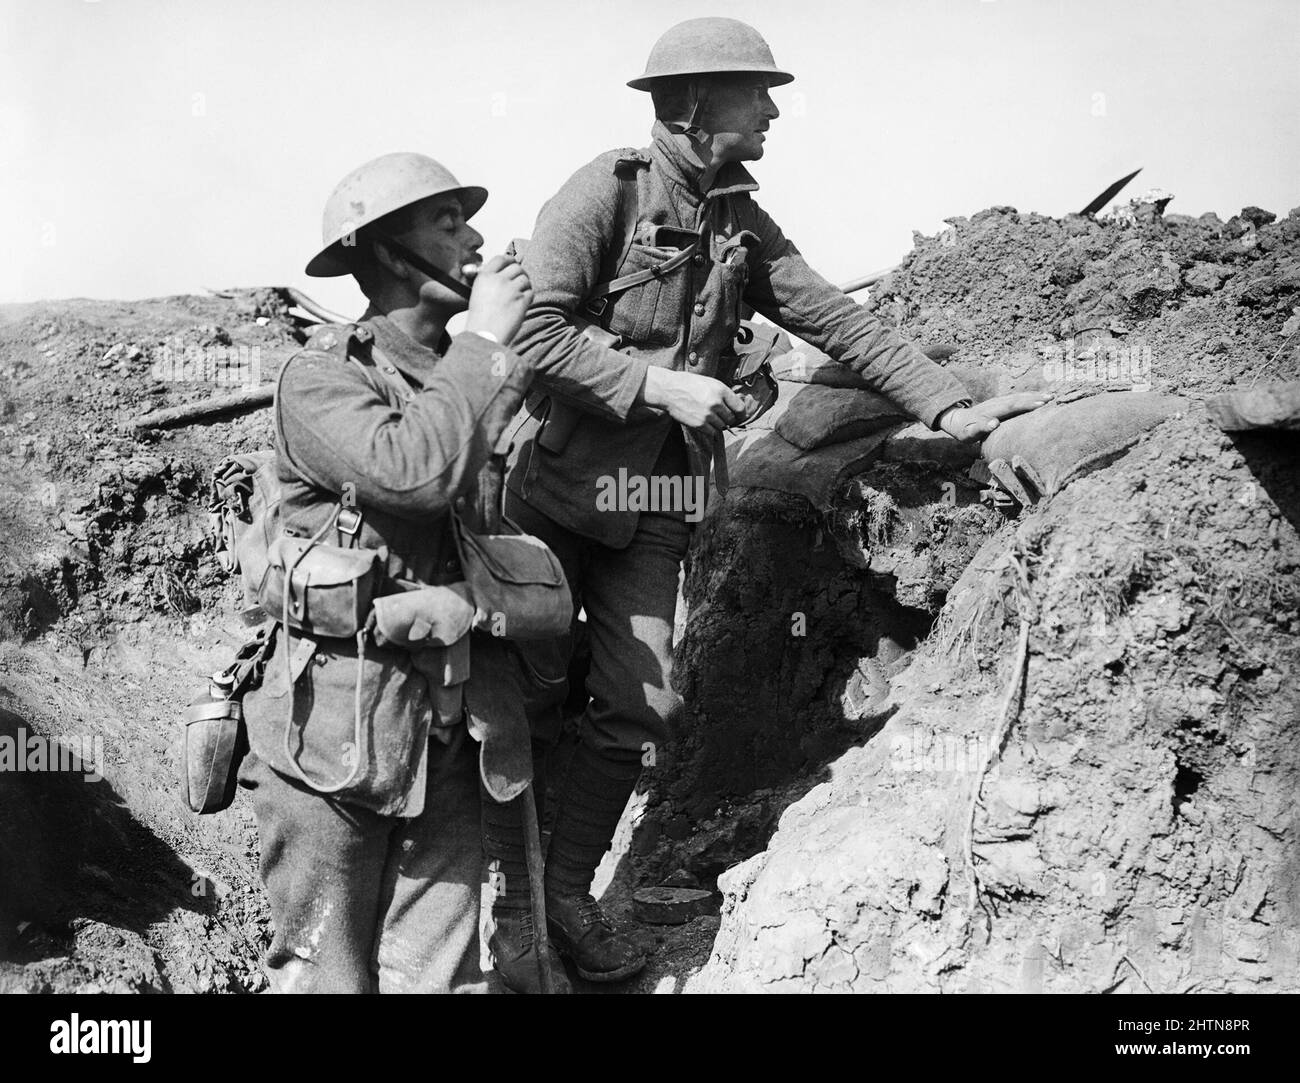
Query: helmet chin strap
[689, 127]
[424, 266]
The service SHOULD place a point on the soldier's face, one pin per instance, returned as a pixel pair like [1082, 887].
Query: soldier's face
[737, 113]
[441, 235]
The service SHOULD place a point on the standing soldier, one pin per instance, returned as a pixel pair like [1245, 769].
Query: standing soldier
[661, 248]
[364, 786]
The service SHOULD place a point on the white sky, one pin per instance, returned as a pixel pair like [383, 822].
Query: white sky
[151, 148]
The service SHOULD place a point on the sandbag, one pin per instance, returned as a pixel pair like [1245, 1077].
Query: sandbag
[762, 460]
[807, 365]
[1019, 372]
[1064, 442]
[811, 416]
[1273, 406]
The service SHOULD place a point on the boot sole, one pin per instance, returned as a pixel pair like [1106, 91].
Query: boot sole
[522, 987]
[599, 976]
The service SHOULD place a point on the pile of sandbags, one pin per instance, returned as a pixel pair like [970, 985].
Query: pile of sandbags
[828, 423]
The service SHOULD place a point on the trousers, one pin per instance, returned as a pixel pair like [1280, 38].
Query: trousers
[629, 597]
[368, 903]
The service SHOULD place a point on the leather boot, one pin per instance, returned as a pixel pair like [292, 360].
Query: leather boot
[513, 945]
[591, 801]
[513, 941]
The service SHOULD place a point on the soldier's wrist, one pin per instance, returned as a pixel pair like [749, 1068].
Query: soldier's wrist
[944, 415]
[652, 389]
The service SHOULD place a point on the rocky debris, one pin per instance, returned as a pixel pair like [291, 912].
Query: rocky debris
[111, 608]
[1134, 832]
[106, 525]
[798, 621]
[1197, 302]
[1081, 307]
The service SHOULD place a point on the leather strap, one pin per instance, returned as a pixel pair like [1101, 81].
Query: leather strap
[358, 730]
[619, 285]
[721, 475]
[629, 212]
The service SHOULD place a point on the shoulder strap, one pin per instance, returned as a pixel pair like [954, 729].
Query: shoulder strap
[629, 209]
[628, 213]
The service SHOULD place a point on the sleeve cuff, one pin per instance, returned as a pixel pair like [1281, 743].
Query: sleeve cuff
[630, 385]
[473, 360]
[935, 413]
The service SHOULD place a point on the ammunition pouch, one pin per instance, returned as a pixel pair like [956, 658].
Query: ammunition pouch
[320, 589]
[517, 583]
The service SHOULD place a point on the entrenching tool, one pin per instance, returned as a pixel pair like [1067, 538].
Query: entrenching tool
[1109, 194]
[313, 308]
[490, 500]
[536, 890]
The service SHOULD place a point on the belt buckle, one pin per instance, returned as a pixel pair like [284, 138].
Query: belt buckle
[349, 521]
[761, 386]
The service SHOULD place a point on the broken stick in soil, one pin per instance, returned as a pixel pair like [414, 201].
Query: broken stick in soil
[173, 416]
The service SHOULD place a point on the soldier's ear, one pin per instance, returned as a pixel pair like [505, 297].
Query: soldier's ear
[388, 261]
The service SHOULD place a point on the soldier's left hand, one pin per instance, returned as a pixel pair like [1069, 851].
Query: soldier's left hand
[976, 422]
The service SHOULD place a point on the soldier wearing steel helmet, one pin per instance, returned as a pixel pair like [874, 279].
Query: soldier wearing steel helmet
[654, 407]
[373, 862]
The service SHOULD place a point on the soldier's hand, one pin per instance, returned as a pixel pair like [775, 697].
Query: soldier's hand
[698, 402]
[500, 299]
[976, 422]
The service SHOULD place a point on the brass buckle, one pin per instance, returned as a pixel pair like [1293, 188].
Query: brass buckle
[761, 386]
[349, 521]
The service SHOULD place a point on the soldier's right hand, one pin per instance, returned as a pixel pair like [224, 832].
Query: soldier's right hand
[500, 299]
[698, 402]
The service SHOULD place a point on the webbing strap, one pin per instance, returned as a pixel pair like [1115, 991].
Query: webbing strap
[635, 279]
[358, 730]
[629, 212]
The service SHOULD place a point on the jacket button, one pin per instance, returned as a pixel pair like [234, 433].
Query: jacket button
[698, 259]
[452, 565]
[699, 308]
[459, 503]
[693, 358]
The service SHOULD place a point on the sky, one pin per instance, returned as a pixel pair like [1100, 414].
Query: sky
[151, 148]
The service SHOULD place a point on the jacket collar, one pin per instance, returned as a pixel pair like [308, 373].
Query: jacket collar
[684, 173]
[413, 359]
